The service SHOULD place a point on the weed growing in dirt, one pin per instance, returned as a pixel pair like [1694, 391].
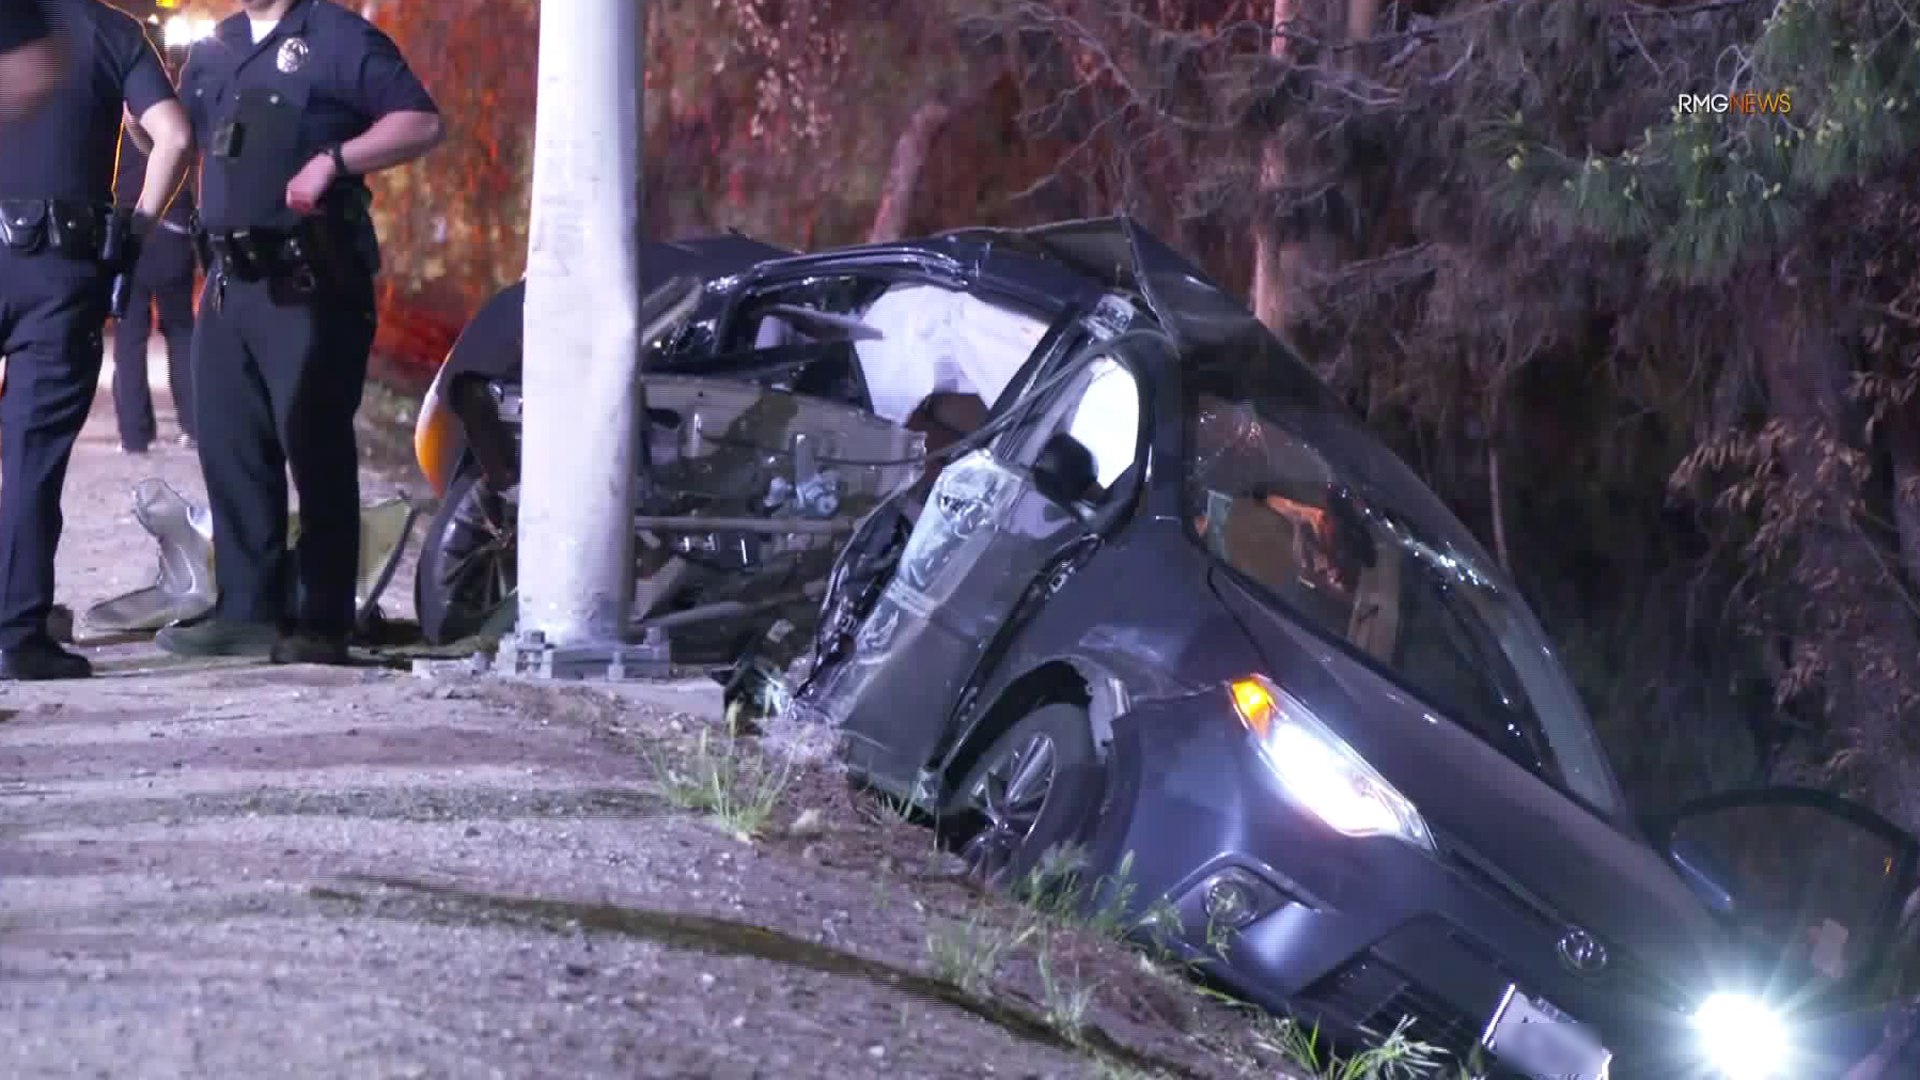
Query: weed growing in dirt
[1398, 1056]
[1066, 1007]
[887, 810]
[1055, 893]
[968, 954]
[723, 779]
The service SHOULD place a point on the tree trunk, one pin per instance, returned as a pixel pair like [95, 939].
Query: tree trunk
[909, 157]
[1283, 265]
[1843, 606]
[1270, 254]
[1494, 498]
[1362, 15]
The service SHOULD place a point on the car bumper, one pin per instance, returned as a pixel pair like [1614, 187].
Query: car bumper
[1360, 933]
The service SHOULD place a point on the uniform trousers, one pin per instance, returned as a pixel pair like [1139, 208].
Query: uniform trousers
[277, 379]
[163, 280]
[53, 312]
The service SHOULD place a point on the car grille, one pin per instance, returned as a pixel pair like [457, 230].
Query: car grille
[1374, 997]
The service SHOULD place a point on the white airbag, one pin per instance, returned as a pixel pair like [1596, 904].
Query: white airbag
[934, 340]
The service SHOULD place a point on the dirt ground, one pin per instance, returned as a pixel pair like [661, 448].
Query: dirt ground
[235, 869]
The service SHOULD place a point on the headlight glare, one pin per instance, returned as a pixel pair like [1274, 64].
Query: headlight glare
[1741, 1038]
[1320, 771]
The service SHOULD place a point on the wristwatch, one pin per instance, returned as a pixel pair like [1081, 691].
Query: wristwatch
[339, 159]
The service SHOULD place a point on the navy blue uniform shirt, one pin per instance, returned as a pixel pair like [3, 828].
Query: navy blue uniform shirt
[66, 149]
[262, 112]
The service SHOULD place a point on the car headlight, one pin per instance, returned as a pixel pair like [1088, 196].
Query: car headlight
[1320, 771]
[1741, 1038]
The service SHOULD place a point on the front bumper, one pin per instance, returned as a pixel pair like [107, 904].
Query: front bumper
[1357, 933]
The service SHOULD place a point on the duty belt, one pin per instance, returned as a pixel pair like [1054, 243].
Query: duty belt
[252, 254]
[75, 229]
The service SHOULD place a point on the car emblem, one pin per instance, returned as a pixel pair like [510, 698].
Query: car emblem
[292, 55]
[1582, 953]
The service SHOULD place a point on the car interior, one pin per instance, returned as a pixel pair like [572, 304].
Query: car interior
[922, 356]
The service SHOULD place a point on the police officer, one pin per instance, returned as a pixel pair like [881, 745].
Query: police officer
[163, 280]
[58, 236]
[293, 101]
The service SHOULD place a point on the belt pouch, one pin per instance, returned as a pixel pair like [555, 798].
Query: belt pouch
[23, 224]
[74, 230]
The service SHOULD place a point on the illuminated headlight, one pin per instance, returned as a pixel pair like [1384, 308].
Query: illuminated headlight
[1320, 771]
[1741, 1038]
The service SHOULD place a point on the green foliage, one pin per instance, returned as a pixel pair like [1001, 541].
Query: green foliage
[1397, 1056]
[1705, 192]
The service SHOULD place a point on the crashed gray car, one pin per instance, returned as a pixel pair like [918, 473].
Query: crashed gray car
[1175, 629]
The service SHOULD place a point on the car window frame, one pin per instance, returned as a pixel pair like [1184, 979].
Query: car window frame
[1016, 447]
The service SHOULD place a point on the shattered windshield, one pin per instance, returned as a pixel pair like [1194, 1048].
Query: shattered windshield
[1299, 498]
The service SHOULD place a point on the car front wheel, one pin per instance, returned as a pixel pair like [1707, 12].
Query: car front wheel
[468, 561]
[1035, 794]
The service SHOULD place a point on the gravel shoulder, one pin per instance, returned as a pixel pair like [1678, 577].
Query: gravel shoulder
[234, 869]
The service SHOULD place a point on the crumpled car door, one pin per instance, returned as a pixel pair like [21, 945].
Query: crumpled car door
[986, 539]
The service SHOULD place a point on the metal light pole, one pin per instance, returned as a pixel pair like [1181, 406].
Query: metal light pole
[582, 342]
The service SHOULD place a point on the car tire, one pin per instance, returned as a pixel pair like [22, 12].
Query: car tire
[468, 564]
[1036, 792]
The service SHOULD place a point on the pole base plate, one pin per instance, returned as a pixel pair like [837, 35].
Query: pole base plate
[530, 655]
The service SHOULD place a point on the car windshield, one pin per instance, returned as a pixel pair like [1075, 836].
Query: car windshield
[1290, 491]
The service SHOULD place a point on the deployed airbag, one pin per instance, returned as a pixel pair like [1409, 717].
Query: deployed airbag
[934, 340]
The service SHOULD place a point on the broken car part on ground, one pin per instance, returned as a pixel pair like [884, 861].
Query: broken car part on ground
[184, 587]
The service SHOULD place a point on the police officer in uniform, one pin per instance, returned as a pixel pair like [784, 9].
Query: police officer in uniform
[293, 102]
[61, 243]
[163, 280]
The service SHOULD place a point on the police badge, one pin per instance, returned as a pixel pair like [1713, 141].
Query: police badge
[292, 56]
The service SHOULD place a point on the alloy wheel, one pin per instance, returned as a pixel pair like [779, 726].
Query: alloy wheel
[478, 571]
[1009, 796]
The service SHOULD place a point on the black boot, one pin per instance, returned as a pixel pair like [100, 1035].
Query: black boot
[38, 659]
[217, 637]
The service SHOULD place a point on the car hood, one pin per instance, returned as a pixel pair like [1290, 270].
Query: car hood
[1496, 822]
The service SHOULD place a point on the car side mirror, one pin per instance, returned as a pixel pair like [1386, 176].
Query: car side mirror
[1818, 879]
[1064, 472]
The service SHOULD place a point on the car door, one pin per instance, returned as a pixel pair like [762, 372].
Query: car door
[1811, 883]
[986, 540]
